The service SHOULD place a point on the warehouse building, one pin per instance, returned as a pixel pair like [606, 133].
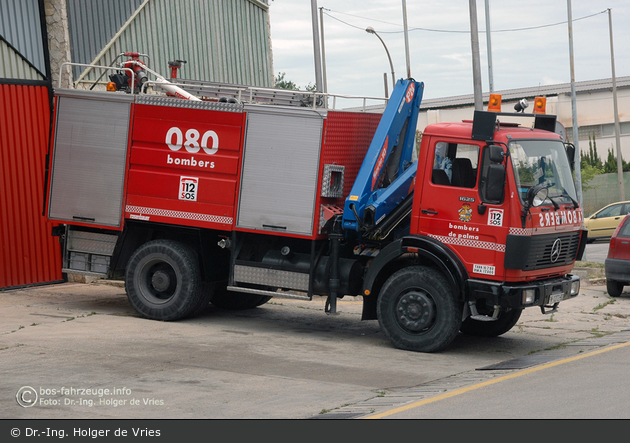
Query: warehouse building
[222, 41]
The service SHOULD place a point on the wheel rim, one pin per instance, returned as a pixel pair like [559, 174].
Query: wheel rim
[415, 311]
[157, 281]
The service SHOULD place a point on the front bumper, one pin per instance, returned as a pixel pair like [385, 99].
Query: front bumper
[543, 293]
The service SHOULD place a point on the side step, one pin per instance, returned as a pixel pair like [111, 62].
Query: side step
[269, 293]
[475, 315]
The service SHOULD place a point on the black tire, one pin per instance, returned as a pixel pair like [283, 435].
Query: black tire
[417, 311]
[501, 325]
[163, 281]
[614, 288]
[237, 301]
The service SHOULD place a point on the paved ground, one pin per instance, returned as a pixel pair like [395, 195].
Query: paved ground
[287, 359]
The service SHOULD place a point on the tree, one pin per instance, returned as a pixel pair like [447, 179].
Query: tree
[611, 163]
[588, 172]
[284, 84]
[590, 164]
[592, 158]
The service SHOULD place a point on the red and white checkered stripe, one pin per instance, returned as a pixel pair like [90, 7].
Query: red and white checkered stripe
[519, 231]
[179, 214]
[469, 243]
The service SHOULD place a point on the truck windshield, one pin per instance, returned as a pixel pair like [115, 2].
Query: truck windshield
[543, 162]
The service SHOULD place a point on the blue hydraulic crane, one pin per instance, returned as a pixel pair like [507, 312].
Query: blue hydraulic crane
[387, 173]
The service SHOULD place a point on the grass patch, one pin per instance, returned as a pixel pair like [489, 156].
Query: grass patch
[326, 411]
[588, 264]
[597, 333]
[551, 319]
[603, 305]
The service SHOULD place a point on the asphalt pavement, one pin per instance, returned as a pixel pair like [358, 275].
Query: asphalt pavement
[80, 351]
[596, 252]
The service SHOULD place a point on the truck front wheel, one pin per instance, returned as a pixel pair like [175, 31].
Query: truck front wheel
[417, 311]
[163, 281]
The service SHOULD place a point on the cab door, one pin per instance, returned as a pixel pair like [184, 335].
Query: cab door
[452, 210]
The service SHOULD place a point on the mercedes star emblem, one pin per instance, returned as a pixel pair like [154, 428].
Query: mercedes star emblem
[555, 250]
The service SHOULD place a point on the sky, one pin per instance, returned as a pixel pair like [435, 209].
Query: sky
[529, 40]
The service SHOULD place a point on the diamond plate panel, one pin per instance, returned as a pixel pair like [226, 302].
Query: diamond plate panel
[271, 277]
[91, 242]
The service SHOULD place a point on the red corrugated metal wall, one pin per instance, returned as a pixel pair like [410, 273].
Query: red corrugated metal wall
[28, 252]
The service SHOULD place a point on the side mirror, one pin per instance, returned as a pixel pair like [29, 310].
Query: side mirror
[495, 153]
[570, 150]
[495, 184]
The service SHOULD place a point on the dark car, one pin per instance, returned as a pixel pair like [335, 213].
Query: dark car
[617, 264]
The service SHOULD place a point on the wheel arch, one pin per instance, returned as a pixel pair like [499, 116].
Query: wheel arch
[416, 249]
[213, 261]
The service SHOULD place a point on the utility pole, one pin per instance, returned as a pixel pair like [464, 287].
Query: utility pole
[576, 137]
[321, 23]
[474, 41]
[622, 190]
[488, 41]
[404, 6]
[316, 48]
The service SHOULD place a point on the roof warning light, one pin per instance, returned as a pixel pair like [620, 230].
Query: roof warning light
[494, 104]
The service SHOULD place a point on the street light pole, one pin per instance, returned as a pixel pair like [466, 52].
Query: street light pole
[576, 135]
[622, 191]
[371, 30]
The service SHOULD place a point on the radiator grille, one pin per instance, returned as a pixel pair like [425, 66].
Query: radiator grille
[541, 251]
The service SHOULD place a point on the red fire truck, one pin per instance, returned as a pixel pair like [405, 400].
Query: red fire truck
[232, 195]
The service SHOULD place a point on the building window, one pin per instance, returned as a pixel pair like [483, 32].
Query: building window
[609, 129]
[598, 131]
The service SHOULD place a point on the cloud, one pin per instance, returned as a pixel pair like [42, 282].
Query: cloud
[356, 60]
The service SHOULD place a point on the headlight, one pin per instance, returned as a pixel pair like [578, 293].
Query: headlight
[575, 288]
[529, 296]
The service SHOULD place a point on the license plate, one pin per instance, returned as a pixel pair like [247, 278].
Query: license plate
[556, 298]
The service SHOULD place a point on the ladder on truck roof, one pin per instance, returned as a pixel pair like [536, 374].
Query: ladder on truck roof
[207, 90]
[271, 96]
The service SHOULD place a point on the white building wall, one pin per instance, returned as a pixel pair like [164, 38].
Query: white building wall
[595, 114]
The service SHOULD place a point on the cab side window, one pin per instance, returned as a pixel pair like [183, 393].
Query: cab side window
[455, 164]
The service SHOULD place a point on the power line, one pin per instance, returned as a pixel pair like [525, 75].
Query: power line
[445, 30]
[345, 23]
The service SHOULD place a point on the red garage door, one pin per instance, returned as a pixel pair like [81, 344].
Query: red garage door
[28, 252]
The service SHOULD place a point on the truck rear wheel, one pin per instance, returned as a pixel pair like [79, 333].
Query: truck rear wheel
[417, 311]
[163, 281]
[501, 325]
